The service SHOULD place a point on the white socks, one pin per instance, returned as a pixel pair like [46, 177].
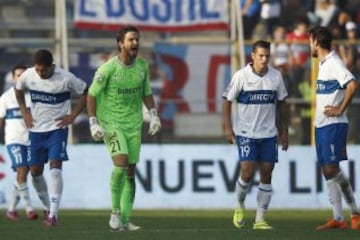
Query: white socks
[334, 194]
[14, 198]
[347, 191]
[241, 189]
[40, 186]
[263, 201]
[23, 191]
[55, 190]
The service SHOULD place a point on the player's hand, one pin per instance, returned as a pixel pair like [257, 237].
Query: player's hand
[65, 121]
[155, 124]
[284, 140]
[28, 119]
[96, 130]
[229, 134]
[332, 111]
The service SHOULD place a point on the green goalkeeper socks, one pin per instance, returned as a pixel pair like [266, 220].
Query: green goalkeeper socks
[117, 182]
[127, 199]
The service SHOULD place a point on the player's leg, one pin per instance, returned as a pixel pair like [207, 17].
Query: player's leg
[117, 147]
[14, 199]
[342, 181]
[264, 195]
[36, 161]
[56, 147]
[329, 161]
[269, 156]
[128, 193]
[21, 153]
[247, 151]
[23, 191]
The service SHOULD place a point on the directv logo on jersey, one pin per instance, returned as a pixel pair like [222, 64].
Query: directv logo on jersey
[49, 98]
[125, 91]
[257, 97]
[262, 97]
[43, 98]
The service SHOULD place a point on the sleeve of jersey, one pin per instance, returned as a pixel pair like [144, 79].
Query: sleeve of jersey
[342, 74]
[97, 84]
[282, 92]
[234, 87]
[77, 85]
[20, 83]
[2, 107]
[147, 87]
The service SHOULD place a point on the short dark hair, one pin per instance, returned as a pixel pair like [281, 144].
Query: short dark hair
[43, 57]
[16, 67]
[260, 44]
[322, 35]
[121, 34]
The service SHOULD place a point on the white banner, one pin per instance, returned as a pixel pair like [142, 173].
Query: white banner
[188, 176]
[159, 15]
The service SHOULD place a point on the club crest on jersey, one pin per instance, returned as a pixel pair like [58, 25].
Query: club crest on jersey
[98, 77]
[142, 75]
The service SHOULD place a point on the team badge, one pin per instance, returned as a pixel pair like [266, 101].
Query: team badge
[98, 77]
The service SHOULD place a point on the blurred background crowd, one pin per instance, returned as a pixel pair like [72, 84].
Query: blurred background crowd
[29, 24]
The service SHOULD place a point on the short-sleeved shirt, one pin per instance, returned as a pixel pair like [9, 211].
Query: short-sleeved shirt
[119, 91]
[50, 98]
[330, 88]
[15, 128]
[256, 97]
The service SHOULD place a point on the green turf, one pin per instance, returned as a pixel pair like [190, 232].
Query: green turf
[176, 225]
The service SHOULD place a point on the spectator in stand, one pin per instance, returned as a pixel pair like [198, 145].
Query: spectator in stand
[270, 15]
[349, 52]
[342, 18]
[298, 40]
[281, 56]
[325, 13]
[250, 10]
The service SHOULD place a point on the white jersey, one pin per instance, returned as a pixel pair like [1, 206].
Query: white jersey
[256, 99]
[15, 128]
[330, 88]
[50, 98]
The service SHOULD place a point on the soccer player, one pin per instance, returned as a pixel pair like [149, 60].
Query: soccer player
[335, 89]
[119, 88]
[261, 115]
[51, 89]
[17, 143]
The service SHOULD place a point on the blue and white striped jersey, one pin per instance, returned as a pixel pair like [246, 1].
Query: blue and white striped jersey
[15, 128]
[330, 88]
[50, 98]
[256, 98]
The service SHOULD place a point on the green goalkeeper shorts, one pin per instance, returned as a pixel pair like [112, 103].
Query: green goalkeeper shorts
[119, 142]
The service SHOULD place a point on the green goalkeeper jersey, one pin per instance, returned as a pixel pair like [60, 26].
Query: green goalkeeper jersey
[119, 91]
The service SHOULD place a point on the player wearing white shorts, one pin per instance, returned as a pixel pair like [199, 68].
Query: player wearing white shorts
[17, 144]
[51, 89]
[335, 89]
[259, 93]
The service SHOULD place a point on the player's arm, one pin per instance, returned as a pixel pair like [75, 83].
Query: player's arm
[282, 123]
[20, 97]
[227, 123]
[2, 111]
[75, 111]
[350, 90]
[2, 120]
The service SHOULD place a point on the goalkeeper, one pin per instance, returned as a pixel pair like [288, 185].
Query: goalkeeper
[114, 103]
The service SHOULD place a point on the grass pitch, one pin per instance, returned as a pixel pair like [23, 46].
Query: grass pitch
[176, 225]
